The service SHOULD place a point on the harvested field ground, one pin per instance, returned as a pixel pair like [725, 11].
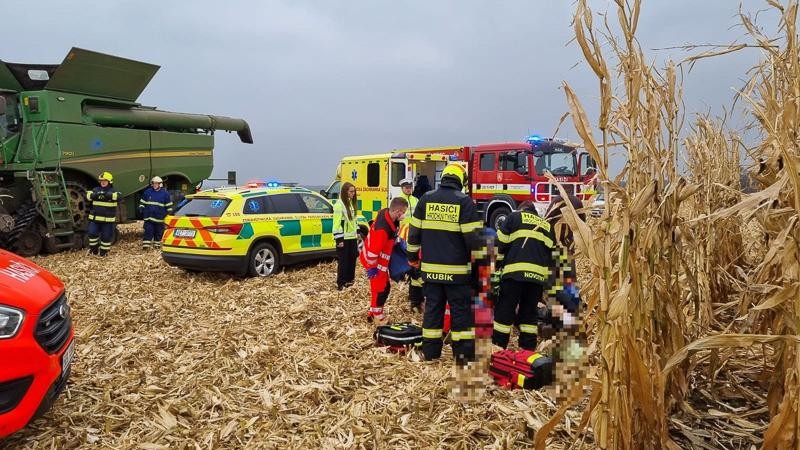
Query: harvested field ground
[169, 359]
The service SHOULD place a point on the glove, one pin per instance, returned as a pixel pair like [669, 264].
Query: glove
[340, 243]
[372, 272]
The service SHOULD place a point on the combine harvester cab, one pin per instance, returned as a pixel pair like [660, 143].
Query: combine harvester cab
[61, 125]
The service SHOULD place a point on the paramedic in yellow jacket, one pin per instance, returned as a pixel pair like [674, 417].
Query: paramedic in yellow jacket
[415, 295]
[345, 233]
[407, 185]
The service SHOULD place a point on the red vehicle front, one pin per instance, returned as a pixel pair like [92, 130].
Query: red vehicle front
[502, 176]
[36, 341]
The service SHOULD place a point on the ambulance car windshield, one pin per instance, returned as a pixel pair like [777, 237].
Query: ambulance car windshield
[559, 164]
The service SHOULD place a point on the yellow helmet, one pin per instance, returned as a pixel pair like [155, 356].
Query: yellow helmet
[106, 176]
[456, 170]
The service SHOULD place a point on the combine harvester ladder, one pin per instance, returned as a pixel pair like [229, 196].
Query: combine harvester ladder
[51, 191]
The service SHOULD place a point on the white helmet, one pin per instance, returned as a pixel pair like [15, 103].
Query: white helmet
[156, 179]
[406, 181]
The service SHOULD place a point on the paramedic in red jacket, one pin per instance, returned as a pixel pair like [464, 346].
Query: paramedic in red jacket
[376, 253]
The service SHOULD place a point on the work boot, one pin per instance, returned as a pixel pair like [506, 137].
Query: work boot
[376, 315]
[93, 250]
[103, 252]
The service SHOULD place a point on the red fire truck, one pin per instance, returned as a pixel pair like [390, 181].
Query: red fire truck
[501, 176]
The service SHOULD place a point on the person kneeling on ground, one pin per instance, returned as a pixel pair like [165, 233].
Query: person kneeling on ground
[376, 253]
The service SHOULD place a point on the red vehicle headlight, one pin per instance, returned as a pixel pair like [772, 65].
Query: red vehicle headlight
[10, 321]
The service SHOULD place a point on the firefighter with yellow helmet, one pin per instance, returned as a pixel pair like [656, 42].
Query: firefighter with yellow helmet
[154, 205]
[443, 230]
[102, 215]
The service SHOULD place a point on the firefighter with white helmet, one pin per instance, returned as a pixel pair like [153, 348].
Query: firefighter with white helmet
[102, 215]
[154, 205]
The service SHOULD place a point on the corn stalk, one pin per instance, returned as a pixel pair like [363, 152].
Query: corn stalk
[637, 250]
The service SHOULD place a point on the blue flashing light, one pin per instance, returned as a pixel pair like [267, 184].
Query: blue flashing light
[534, 138]
[273, 184]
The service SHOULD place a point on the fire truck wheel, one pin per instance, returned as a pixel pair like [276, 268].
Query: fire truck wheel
[498, 216]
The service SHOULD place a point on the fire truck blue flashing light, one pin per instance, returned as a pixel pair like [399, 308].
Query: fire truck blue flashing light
[534, 138]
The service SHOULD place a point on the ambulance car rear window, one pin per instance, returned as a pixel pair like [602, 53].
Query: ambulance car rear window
[203, 207]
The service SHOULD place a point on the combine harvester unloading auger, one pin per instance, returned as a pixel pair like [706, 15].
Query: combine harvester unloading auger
[62, 125]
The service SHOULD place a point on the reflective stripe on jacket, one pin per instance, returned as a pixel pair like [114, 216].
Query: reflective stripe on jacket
[442, 229]
[526, 247]
[379, 243]
[104, 203]
[344, 227]
[155, 204]
[412, 203]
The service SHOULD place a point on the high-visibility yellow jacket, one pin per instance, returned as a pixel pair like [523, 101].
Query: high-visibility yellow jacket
[412, 203]
[344, 227]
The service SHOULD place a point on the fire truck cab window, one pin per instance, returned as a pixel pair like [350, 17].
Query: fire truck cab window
[559, 164]
[587, 163]
[487, 161]
[514, 161]
[373, 174]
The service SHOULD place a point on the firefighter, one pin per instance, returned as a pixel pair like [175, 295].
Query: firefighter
[525, 253]
[154, 205]
[443, 231]
[345, 233]
[415, 295]
[376, 252]
[102, 215]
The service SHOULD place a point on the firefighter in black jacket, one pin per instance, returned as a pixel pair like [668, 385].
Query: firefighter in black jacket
[102, 215]
[525, 253]
[441, 235]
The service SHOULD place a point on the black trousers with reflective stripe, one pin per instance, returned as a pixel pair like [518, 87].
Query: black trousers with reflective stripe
[346, 269]
[437, 296]
[100, 235]
[527, 296]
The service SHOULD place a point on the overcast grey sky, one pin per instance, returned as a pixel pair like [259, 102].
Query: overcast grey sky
[318, 80]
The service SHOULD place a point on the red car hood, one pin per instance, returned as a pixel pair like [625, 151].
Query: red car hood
[25, 285]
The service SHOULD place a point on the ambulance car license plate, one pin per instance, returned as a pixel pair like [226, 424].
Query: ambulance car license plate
[66, 358]
[183, 233]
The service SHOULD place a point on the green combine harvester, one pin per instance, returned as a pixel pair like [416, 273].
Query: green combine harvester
[62, 125]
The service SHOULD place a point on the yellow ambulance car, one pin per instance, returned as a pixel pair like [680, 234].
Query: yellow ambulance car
[251, 230]
[377, 177]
